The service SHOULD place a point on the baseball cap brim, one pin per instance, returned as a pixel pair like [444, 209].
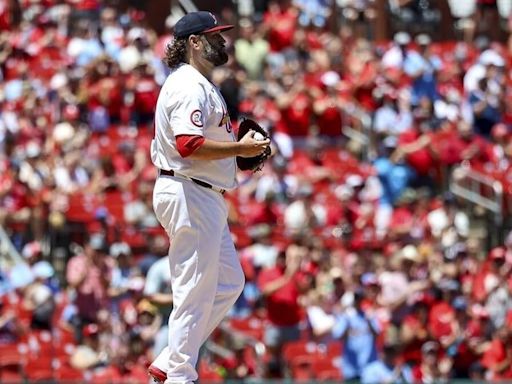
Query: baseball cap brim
[219, 28]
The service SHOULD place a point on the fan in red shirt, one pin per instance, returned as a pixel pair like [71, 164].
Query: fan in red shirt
[281, 287]
[327, 107]
[441, 319]
[414, 144]
[296, 111]
[497, 357]
[145, 92]
[466, 350]
[280, 21]
[453, 146]
[414, 331]
[101, 87]
[361, 73]
[500, 137]
[6, 11]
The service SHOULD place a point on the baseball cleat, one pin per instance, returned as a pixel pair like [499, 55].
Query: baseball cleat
[157, 374]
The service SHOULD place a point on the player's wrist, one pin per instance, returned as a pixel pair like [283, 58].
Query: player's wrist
[237, 148]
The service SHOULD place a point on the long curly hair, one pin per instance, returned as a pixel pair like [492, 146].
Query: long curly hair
[175, 53]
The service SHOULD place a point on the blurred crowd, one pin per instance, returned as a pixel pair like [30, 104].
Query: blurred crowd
[359, 262]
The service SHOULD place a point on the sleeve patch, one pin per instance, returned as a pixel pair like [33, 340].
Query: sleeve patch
[196, 117]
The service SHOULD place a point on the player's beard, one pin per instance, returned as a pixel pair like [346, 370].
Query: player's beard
[215, 53]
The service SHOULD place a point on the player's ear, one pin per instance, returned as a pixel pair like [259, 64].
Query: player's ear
[194, 40]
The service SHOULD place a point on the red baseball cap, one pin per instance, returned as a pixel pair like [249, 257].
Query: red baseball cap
[497, 253]
[90, 330]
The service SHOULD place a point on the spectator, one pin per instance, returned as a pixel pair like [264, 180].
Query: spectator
[389, 368]
[422, 67]
[122, 273]
[496, 356]
[84, 46]
[328, 109]
[11, 329]
[359, 332]
[394, 116]
[39, 297]
[486, 108]
[88, 273]
[302, 213]
[279, 23]
[359, 14]
[433, 367]
[87, 355]
[149, 322]
[251, 49]
[394, 57]
[158, 292]
[416, 12]
[413, 330]
[313, 13]
[280, 287]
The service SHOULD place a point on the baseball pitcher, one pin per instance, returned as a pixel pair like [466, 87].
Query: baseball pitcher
[196, 151]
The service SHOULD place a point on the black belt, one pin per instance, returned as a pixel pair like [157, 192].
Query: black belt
[198, 182]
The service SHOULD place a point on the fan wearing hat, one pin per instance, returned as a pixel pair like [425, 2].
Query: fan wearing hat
[194, 150]
[434, 367]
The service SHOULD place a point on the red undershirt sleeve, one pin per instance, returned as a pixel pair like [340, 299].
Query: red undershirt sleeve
[187, 144]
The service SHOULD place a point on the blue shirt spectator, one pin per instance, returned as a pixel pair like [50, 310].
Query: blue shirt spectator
[379, 372]
[422, 68]
[486, 109]
[358, 331]
[395, 178]
[313, 12]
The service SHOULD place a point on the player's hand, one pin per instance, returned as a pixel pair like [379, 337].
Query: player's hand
[250, 147]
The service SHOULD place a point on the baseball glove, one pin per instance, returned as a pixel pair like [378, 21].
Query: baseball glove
[255, 163]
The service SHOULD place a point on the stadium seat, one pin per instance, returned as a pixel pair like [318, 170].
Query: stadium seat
[9, 354]
[208, 374]
[295, 350]
[325, 369]
[302, 369]
[40, 368]
[12, 359]
[250, 326]
[333, 349]
[66, 373]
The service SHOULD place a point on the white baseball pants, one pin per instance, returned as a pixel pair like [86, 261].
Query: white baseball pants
[206, 275]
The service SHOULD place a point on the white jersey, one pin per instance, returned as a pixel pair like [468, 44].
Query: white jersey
[189, 104]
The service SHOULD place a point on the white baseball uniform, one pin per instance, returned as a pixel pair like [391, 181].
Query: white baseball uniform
[206, 274]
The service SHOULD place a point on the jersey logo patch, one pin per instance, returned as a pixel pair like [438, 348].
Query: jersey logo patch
[196, 118]
[226, 121]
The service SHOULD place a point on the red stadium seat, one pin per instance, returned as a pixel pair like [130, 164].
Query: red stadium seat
[295, 350]
[250, 326]
[40, 368]
[333, 349]
[11, 363]
[9, 354]
[208, 374]
[66, 373]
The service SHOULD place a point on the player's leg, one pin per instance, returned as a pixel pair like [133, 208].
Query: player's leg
[230, 282]
[196, 217]
[195, 273]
